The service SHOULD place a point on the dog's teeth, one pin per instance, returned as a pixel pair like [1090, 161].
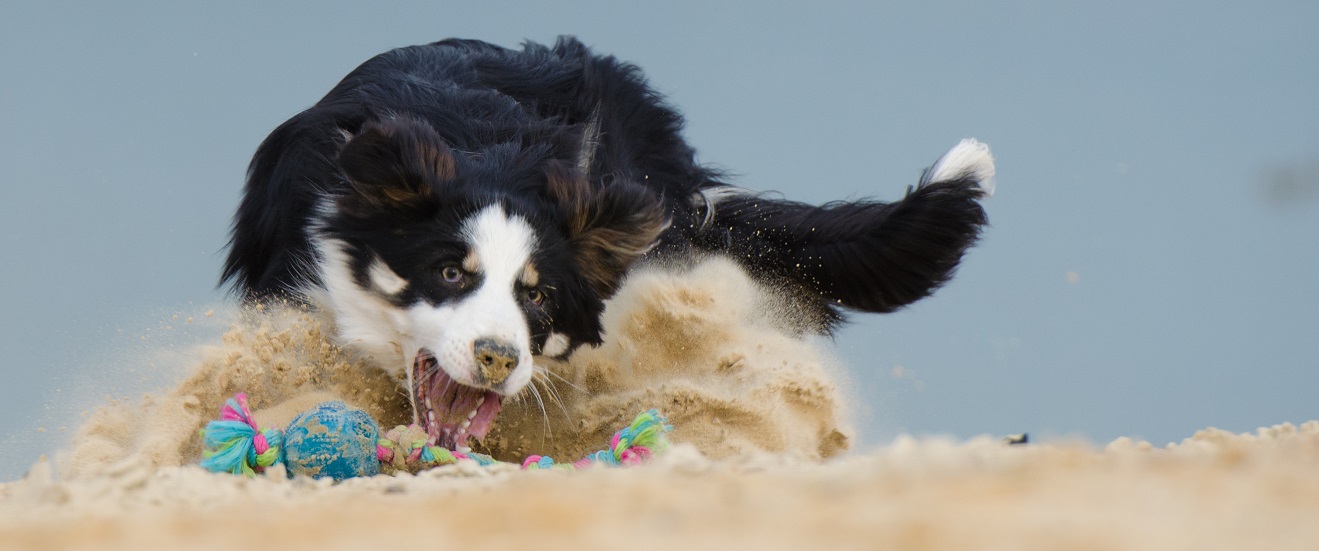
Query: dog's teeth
[428, 403]
[464, 449]
[431, 416]
[471, 414]
[465, 424]
[480, 401]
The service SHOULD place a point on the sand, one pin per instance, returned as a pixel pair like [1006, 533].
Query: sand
[762, 457]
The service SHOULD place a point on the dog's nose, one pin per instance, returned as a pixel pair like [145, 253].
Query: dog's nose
[494, 360]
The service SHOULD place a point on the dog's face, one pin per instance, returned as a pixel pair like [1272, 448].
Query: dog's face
[458, 269]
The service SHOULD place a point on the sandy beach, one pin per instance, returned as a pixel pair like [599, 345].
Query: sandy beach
[1213, 491]
[763, 458]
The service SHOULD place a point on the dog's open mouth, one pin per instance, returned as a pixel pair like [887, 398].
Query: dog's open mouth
[452, 413]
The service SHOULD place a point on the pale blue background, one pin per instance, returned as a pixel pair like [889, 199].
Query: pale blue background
[1166, 154]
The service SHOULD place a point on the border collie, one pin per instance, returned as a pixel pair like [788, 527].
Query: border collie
[461, 208]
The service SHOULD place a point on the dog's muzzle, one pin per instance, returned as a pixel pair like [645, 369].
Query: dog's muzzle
[495, 360]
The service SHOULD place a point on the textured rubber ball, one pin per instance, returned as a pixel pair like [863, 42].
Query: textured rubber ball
[332, 440]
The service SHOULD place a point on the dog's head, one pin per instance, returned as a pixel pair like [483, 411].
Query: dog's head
[457, 269]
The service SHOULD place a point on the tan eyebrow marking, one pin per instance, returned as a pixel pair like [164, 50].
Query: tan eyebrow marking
[384, 279]
[530, 277]
[472, 263]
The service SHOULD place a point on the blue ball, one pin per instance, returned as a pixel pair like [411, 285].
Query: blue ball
[332, 440]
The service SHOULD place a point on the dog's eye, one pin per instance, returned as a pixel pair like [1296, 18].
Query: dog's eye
[535, 296]
[451, 274]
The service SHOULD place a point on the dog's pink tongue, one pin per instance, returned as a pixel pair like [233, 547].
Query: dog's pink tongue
[485, 415]
[463, 410]
[452, 412]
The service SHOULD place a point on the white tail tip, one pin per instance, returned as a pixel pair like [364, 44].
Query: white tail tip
[968, 159]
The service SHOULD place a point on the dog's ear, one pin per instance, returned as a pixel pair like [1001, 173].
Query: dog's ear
[608, 227]
[396, 161]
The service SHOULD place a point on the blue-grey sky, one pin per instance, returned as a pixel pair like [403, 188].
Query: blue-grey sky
[1151, 267]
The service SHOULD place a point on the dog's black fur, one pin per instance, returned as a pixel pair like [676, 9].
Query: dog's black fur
[418, 138]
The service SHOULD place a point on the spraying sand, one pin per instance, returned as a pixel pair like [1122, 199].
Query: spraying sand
[761, 459]
[703, 346]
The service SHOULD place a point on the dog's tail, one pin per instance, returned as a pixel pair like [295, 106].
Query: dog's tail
[869, 256]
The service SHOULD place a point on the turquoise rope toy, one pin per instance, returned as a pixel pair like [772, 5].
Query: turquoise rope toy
[235, 444]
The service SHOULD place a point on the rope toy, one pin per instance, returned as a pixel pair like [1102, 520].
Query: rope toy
[338, 441]
[235, 444]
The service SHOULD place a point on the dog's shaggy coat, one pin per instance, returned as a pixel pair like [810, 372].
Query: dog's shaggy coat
[462, 207]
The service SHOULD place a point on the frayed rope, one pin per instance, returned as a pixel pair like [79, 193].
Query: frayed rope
[633, 445]
[407, 448]
[235, 444]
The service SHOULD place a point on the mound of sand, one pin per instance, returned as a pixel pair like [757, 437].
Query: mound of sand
[709, 349]
[705, 345]
[760, 460]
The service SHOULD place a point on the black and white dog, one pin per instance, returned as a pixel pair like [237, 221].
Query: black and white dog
[460, 208]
